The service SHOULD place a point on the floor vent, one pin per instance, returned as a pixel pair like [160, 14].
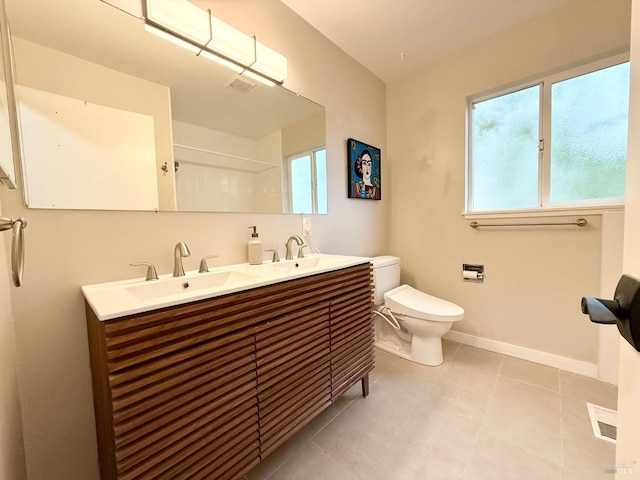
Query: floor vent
[603, 422]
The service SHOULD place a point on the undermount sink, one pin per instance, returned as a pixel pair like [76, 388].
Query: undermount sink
[177, 285]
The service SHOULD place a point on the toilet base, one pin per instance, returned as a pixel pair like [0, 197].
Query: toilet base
[408, 352]
[422, 350]
[427, 350]
[398, 351]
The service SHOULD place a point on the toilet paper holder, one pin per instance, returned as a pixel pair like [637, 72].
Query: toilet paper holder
[623, 310]
[472, 273]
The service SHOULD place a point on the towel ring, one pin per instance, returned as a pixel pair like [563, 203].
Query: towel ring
[17, 246]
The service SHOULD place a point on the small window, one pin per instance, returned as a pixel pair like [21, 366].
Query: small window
[557, 142]
[505, 151]
[307, 182]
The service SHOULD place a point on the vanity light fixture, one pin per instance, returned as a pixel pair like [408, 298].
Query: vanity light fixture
[193, 49]
[186, 24]
[171, 38]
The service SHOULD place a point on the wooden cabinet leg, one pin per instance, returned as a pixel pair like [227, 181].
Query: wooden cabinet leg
[365, 385]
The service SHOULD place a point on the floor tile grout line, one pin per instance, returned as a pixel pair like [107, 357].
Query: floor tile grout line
[565, 405]
[310, 440]
[562, 432]
[561, 466]
[557, 372]
[532, 385]
[484, 417]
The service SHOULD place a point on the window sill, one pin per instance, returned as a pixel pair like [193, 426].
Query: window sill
[543, 212]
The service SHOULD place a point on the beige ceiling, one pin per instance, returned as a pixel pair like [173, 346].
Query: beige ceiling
[393, 38]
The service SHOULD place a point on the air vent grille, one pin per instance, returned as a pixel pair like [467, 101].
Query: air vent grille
[240, 84]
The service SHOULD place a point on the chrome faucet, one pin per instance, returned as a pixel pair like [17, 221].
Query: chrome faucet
[180, 251]
[204, 266]
[275, 257]
[152, 274]
[288, 254]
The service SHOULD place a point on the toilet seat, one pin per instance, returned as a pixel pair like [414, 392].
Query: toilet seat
[406, 300]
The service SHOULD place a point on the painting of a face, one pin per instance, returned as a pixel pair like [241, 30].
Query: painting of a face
[364, 170]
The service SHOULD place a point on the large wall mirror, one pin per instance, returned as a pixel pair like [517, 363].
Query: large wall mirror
[114, 118]
[7, 110]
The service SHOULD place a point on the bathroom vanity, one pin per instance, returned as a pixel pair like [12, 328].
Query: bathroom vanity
[208, 388]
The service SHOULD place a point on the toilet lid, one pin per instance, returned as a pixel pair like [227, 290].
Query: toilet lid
[414, 303]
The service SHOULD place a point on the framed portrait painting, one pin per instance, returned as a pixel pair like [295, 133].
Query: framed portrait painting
[364, 170]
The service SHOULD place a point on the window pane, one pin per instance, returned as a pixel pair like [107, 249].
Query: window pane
[589, 135]
[321, 178]
[301, 185]
[505, 134]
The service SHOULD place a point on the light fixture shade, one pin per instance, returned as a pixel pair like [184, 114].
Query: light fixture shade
[221, 61]
[231, 43]
[258, 78]
[270, 62]
[212, 37]
[172, 38]
[181, 17]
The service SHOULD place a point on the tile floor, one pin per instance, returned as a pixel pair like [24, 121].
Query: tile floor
[479, 415]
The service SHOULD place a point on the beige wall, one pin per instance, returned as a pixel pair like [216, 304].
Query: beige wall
[67, 249]
[534, 277]
[628, 444]
[12, 463]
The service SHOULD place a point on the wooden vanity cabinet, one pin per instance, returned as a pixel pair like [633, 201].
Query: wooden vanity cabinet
[175, 392]
[352, 337]
[210, 388]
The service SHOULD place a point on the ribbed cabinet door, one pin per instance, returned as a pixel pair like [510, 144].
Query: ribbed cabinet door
[206, 390]
[352, 335]
[294, 372]
[183, 395]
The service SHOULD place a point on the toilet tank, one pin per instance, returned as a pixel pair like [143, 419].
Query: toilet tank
[386, 275]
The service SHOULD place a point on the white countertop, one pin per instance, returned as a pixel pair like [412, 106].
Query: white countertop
[125, 297]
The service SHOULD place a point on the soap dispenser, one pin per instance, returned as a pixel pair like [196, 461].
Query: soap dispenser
[255, 248]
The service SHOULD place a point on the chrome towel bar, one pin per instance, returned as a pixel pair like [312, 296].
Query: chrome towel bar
[17, 246]
[581, 222]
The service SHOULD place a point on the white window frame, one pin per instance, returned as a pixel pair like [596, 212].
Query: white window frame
[545, 207]
[314, 179]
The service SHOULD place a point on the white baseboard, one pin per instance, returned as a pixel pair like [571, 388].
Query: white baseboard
[563, 363]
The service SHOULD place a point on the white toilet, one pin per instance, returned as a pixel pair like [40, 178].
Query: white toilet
[409, 323]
